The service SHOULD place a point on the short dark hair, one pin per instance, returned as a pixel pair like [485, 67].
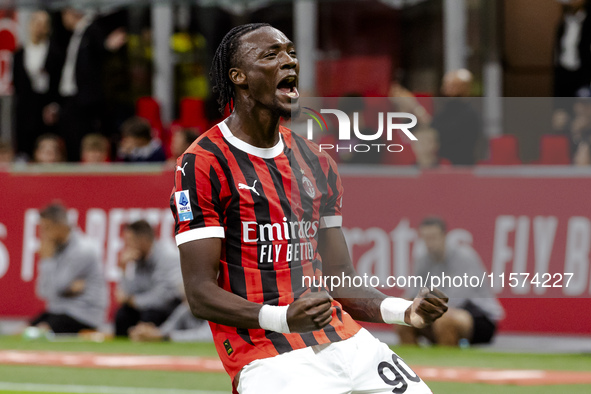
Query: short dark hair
[141, 228]
[434, 221]
[136, 127]
[224, 59]
[55, 212]
[95, 142]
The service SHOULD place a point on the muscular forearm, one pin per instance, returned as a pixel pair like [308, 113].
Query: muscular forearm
[210, 302]
[363, 309]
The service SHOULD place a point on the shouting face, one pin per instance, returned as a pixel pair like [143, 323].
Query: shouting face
[266, 71]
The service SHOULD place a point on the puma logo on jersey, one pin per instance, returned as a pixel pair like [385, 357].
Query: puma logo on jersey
[182, 169]
[242, 186]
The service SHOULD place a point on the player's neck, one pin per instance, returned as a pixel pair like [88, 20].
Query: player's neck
[257, 128]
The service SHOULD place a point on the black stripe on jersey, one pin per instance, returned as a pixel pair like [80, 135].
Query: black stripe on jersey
[233, 253]
[306, 201]
[329, 208]
[216, 188]
[297, 270]
[307, 207]
[189, 182]
[339, 313]
[263, 215]
[177, 225]
[332, 334]
[313, 162]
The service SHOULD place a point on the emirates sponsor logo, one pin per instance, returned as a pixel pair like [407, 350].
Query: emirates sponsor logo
[268, 232]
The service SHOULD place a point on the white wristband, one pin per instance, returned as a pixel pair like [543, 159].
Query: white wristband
[393, 310]
[274, 318]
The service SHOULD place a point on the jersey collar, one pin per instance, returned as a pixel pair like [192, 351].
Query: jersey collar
[264, 153]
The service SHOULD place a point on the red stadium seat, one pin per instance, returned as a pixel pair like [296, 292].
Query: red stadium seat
[554, 150]
[149, 109]
[504, 150]
[193, 114]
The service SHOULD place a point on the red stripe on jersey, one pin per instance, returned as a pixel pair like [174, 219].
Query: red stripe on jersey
[281, 267]
[254, 287]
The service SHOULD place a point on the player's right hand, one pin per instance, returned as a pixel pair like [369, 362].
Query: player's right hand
[311, 312]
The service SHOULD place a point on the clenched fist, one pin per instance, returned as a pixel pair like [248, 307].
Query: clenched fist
[311, 312]
[427, 307]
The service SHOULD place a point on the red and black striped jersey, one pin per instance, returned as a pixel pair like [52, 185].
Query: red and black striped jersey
[268, 205]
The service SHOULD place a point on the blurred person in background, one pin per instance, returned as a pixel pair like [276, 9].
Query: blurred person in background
[473, 311]
[6, 153]
[573, 122]
[80, 108]
[582, 153]
[572, 50]
[137, 144]
[457, 121]
[31, 78]
[95, 149]
[49, 149]
[181, 326]
[149, 290]
[426, 148]
[70, 278]
[180, 141]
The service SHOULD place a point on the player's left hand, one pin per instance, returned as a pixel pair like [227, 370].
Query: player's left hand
[427, 307]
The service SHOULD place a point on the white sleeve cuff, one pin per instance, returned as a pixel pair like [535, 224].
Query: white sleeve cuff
[199, 233]
[393, 310]
[331, 221]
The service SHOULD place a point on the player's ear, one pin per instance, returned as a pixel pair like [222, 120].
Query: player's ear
[237, 76]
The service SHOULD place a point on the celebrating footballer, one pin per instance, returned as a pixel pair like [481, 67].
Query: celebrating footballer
[258, 208]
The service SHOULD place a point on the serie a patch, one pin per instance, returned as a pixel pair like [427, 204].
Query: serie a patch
[183, 206]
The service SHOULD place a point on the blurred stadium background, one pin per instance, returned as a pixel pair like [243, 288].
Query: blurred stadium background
[521, 203]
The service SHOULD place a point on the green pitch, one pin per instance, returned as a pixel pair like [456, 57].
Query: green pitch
[63, 380]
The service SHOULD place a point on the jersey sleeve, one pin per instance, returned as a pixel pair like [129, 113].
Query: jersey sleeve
[330, 215]
[195, 200]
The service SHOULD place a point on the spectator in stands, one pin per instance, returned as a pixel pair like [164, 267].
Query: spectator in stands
[137, 144]
[70, 279]
[95, 149]
[574, 122]
[181, 326]
[150, 288]
[81, 103]
[181, 140]
[6, 153]
[458, 123]
[582, 154]
[572, 50]
[31, 80]
[49, 149]
[473, 311]
[426, 148]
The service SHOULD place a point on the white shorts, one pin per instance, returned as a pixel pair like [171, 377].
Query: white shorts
[360, 364]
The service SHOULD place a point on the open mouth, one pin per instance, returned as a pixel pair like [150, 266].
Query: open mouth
[288, 86]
